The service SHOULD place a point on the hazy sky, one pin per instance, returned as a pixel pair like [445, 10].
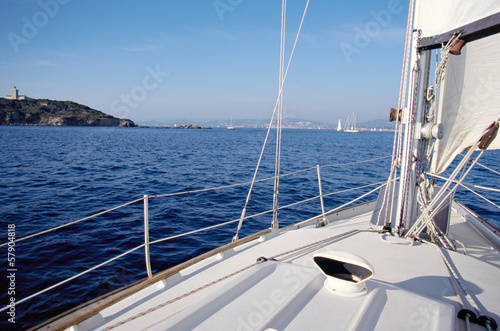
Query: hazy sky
[205, 59]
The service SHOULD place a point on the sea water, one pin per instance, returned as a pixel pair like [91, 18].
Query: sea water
[50, 176]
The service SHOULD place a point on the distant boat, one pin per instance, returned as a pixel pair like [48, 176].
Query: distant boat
[231, 127]
[339, 127]
[350, 125]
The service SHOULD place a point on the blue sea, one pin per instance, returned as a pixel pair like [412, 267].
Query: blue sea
[51, 176]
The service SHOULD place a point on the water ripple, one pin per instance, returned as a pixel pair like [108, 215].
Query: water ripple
[51, 176]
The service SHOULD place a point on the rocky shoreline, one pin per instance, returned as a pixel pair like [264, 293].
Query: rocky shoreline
[43, 112]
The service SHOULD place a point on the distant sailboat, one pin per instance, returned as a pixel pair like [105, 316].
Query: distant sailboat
[231, 127]
[350, 125]
[339, 126]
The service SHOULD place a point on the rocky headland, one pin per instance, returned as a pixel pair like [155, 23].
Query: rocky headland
[55, 113]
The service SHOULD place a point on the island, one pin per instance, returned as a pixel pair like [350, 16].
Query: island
[55, 113]
[186, 126]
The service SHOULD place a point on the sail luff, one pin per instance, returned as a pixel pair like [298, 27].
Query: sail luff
[469, 99]
[469, 95]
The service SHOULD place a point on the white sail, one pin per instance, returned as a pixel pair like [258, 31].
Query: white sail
[339, 126]
[437, 17]
[231, 127]
[469, 99]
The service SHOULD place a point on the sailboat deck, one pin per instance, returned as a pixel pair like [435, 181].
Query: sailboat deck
[410, 288]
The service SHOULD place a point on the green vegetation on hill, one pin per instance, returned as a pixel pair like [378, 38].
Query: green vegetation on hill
[56, 113]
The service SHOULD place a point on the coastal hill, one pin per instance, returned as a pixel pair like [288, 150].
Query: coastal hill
[55, 113]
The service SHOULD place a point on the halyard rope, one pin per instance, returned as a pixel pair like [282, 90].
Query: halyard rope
[396, 148]
[445, 52]
[457, 280]
[433, 208]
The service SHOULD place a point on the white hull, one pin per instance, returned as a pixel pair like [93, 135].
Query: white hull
[350, 124]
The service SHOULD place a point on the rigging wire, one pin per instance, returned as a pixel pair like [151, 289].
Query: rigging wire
[441, 197]
[483, 166]
[468, 186]
[396, 148]
[243, 212]
[275, 223]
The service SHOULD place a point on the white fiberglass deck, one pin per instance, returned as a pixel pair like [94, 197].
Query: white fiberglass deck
[410, 288]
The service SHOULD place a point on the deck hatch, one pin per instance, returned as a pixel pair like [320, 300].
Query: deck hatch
[342, 270]
[345, 273]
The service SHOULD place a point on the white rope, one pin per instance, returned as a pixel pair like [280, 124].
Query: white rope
[456, 278]
[425, 217]
[435, 205]
[243, 212]
[445, 52]
[398, 129]
[406, 57]
[441, 198]
[388, 198]
[405, 180]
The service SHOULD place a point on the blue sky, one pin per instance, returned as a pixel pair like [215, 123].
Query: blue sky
[210, 59]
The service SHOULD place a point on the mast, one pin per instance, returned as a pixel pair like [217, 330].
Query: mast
[407, 199]
[407, 116]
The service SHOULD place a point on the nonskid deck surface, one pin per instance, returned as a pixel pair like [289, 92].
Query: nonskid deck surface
[410, 288]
